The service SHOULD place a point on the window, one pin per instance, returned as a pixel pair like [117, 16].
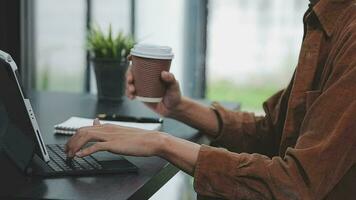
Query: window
[61, 32]
[114, 12]
[60, 35]
[252, 48]
[161, 22]
[60, 45]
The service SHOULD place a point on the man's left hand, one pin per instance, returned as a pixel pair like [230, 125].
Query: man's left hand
[113, 138]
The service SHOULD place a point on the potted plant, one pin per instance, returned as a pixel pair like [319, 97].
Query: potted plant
[109, 59]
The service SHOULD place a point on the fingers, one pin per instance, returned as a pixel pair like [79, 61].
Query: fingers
[99, 146]
[168, 77]
[129, 76]
[130, 91]
[82, 137]
[67, 145]
[96, 122]
[170, 80]
[130, 88]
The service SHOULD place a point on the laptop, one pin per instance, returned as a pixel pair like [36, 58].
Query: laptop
[22, 140]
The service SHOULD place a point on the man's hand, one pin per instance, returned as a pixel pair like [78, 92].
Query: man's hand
[133, 142]
[171, 99]
[115, 139]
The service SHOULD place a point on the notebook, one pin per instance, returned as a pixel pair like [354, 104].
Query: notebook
[70, 126]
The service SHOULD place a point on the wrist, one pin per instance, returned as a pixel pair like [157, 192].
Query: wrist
[162, 142]
[179, 109]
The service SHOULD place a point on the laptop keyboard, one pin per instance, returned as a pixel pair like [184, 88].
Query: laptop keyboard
[60, 163]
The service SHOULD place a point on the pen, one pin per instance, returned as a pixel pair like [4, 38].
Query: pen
[115, 117]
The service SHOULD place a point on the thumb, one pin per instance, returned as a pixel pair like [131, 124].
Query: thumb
[96, 122]
[168, 77]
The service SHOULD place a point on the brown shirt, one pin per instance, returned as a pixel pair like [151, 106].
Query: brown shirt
[305, 146]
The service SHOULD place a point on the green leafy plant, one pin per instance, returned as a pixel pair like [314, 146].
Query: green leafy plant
[108, 46]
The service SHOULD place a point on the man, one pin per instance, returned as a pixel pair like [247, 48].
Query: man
[305, 146]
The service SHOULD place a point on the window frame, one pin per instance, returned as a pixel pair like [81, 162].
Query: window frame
[194, 71]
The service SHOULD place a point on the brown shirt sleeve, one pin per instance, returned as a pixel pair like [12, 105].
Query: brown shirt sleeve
[308, 171]
[245, 132]
[325, 150]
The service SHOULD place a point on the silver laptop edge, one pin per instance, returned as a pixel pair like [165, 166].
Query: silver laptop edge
[36, 131]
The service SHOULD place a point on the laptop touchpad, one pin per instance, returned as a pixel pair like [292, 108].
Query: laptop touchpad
[111, 161]
[106, 156]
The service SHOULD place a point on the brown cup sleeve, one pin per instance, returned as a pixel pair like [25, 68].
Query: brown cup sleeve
[147, 76]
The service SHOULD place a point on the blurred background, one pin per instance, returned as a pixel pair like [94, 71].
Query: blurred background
[225, 50]
[234, 50]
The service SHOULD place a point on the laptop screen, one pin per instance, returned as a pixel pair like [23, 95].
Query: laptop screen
[17, 134]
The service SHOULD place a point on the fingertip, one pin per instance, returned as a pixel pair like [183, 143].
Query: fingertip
[131, 97]
[96, 122]
[131, 89]
[164, 73]
[129, 75]
[89, 150]
[167, 76]
[66, 148]
[70, 154]
[79, 154]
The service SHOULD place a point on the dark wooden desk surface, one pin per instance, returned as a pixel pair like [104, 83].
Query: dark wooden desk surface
[53, 108]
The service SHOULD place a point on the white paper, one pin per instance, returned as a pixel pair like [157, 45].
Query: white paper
[70, 126]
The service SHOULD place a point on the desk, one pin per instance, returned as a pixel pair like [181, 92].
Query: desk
[52, 108]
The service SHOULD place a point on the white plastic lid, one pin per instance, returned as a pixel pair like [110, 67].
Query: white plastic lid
[152, 51]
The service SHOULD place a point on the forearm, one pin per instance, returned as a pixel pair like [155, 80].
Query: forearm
[196, 115]
[181, 153]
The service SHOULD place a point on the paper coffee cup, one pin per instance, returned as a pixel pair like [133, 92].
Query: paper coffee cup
[148, 62]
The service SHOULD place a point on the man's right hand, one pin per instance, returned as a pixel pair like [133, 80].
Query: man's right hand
[175, 106]
[171, 99]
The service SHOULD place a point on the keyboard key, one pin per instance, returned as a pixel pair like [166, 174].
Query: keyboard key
[84, 163]
[59, 160]
[93, 162]
[54, 166]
